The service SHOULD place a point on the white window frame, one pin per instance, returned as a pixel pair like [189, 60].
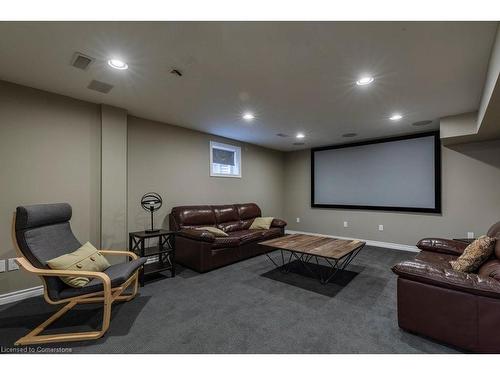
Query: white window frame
[237, 156]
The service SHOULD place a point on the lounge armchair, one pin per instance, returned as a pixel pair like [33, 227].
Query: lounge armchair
[457, 308]
[43, 232]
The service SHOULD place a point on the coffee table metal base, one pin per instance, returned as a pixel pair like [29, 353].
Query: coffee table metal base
[334, 265]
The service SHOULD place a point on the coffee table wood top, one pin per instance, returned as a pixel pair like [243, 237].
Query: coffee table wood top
[326, 247]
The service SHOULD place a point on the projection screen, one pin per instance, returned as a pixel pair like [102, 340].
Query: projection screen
[393, 174]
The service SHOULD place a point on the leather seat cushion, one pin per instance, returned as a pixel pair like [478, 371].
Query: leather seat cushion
[439, 259]
[229, 241]
[242, 237]
[118, 273]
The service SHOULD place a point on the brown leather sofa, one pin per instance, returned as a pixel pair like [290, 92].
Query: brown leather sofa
[460, 309]
[202, 251]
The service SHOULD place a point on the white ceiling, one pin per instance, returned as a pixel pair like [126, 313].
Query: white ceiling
[295, 76]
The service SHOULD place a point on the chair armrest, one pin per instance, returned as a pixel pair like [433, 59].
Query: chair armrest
[58, 273]
[429, 273]
[441, 245]
[278, 223]
[195, 234]
[130, 254]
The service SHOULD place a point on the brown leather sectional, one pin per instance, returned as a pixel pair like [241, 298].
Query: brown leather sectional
[202, 251]
[460, 309]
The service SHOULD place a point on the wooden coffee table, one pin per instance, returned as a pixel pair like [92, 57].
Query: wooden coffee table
[335, 252]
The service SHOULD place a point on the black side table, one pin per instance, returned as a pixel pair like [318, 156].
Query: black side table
[165, 250]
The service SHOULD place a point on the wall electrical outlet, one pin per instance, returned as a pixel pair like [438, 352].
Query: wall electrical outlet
[13, 265]
[346, 224]
[470, 234]
[2, 265]
[298, 220]
[380, 227]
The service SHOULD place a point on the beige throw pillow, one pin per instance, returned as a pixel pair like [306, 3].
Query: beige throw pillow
[474, 255]
[262, 223]
[215, 231]
[86, 258]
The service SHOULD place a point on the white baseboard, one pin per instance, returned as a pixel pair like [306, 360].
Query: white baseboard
[19, 295]
[388, 245]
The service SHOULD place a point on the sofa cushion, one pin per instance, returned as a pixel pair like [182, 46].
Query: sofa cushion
[261, 223]
[494, 232]
[474, 255]
[248, 211]
[215, 231]
[193, 216]
[230, 226]
[226, 213]
[229, 241]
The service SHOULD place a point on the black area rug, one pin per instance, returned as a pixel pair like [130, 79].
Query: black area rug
[244, 308]
[296, 274]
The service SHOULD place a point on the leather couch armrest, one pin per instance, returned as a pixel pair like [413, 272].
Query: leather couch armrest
[195, 234]
[429, 273]
[441, 245]
[279, 223]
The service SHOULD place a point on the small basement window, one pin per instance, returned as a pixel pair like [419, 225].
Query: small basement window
[225, 160]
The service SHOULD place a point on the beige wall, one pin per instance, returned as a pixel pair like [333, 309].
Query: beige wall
[471, 200]
[174, 162]
[113, 178]
[49, 152]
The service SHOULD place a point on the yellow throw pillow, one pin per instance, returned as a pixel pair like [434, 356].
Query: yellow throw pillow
[262, 223]
[474, 255]
[86, 258]
[215, 231]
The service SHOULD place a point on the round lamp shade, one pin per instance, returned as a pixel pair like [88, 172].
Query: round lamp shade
[151, 202]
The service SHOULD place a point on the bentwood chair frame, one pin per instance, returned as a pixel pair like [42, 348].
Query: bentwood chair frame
[106, 297]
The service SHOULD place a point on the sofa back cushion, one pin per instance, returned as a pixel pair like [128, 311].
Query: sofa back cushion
[228, 217]
[248, 212]
[494, 232]
[192, 217]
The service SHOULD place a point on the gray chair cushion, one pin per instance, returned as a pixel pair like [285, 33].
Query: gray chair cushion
[118, 273]
[38, 215]
[43, 232]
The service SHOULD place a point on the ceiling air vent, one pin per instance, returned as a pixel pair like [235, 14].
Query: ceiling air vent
[100, 86]
[81, 61]
[422, 123]
[298, 143]
[282, 135]
[349, 135]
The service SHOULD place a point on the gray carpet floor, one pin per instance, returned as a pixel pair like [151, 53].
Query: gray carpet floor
[248, 307]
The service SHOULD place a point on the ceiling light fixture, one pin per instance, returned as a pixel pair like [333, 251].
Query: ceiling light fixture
[396, 117]
[300, 135]
[117, 64]
[248, 116]
[363, 81]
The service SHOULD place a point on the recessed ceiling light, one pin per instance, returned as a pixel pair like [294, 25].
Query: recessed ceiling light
[395, 117]
[300, 135]
[366, 80]
[248, 116]
[117, 64]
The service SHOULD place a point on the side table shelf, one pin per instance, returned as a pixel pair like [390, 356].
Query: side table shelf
[164, 251]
